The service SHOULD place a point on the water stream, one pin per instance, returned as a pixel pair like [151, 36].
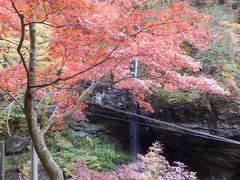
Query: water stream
[134, 131]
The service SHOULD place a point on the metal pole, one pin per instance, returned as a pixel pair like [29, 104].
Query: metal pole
[34, 164]
[3, 160]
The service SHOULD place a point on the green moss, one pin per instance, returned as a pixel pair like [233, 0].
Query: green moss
[177, 96]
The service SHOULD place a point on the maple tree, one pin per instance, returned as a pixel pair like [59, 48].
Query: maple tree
[95, 42]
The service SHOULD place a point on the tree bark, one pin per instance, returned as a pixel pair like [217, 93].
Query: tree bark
[53, 170]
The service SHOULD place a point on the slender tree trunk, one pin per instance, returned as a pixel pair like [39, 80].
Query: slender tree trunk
[53, 170]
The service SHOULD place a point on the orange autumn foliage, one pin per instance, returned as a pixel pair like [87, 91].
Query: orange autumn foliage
[90, 39]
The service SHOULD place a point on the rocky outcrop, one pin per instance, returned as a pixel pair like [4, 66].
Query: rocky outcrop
[101, 127]
[112, 97]
[212, 114]
[208, 114]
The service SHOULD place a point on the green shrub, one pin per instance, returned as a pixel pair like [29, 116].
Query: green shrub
[220, 60]
[67, 146]
[162, 96]
[17, 161]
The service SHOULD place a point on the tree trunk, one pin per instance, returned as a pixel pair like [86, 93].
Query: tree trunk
[53, 170]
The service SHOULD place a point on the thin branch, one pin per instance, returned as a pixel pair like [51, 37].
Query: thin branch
[45, 19]
[8, 115]
[7, 61]
[55, 26]
[51, 120]
[76, 74]
[13, 98]
[37, 106]
[153, 25]
[11, 42]
[46, 24]
[82, 98]
[21, 17]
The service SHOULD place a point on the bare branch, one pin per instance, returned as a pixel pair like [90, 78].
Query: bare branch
[82, 98]
[7, 118]
[11, 42]
[38, 106]
[7, 60]
[21, 17]
[13, 98]
[55, 26]
[46, 24]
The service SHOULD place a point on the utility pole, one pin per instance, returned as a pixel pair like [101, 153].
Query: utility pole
[2, 160]
[34, 164]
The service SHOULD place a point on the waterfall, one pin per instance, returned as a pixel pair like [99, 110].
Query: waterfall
[134, 132]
